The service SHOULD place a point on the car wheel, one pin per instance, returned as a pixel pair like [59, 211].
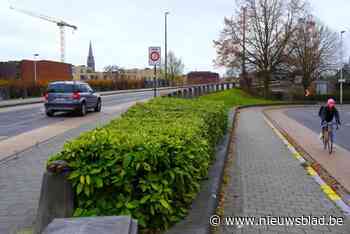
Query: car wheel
[82, 111]
[98, 106]
[50, 113]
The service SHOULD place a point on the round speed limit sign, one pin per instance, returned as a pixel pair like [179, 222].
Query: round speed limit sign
[155, 56]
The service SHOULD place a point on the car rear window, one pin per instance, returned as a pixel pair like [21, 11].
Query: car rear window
[61, 88]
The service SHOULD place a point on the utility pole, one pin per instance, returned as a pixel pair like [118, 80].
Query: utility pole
[166, 46]
[243, 56]
[341, 66]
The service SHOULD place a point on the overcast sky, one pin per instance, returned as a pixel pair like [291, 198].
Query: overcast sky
[121, 31]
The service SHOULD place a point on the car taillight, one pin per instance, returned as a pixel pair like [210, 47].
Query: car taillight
[46, 96]
[76, 96]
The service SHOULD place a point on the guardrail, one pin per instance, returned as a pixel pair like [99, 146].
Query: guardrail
[190, 91]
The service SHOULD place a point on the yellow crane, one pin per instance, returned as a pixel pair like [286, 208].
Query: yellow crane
[60, 23]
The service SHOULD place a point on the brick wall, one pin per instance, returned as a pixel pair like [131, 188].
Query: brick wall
[46, 71]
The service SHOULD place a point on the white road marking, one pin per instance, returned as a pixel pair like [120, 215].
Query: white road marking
[21, 122]
[23, 107]
[3, 138]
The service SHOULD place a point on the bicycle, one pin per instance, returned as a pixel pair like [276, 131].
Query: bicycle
[328, 137]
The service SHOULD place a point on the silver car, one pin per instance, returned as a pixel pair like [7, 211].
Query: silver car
[74, 96]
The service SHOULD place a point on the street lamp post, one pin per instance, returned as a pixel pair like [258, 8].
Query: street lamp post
[166, 45]
[35, 73]
[341, 66]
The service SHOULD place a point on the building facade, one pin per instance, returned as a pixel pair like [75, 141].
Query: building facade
[45, 70]
[85, 73]
[10, 70]
[202, 77]
[138, 74]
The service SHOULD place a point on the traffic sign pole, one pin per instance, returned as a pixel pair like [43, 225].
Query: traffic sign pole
[154, 60]
[155, 81]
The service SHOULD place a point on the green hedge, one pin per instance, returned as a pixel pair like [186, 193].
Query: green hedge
[148, 163]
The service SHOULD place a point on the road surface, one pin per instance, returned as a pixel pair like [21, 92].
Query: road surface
[309, 118]
[16, 120]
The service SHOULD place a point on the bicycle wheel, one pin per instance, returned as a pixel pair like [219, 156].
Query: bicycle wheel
[325, 139]
[330, 143]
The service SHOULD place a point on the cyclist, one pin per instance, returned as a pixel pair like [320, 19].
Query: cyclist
[328, 113]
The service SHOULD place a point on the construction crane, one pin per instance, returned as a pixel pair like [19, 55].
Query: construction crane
[60, 23]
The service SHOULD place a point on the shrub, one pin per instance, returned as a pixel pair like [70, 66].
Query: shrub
[148, 163]
[118, 84]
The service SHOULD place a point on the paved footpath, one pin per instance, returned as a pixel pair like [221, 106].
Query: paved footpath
[265, 180]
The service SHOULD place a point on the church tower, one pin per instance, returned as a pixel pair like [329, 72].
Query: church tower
[90, 59]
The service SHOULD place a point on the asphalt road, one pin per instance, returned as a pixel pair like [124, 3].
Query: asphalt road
[17, 120]
[309, 118]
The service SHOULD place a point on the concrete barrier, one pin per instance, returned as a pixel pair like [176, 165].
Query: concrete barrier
[56, 207]
[198, 90]
[56, 200]
[190, 91]
[185, 93]
[93, 225]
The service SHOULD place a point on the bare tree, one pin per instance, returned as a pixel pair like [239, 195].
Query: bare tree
[315, 50]
[112, 71]
[175, 66]
[111, 68]
[269, 26]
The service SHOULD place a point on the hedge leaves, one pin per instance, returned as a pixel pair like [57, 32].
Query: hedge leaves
[148, 163]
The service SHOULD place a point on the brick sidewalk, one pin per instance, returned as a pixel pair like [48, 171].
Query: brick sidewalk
[266, 180]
